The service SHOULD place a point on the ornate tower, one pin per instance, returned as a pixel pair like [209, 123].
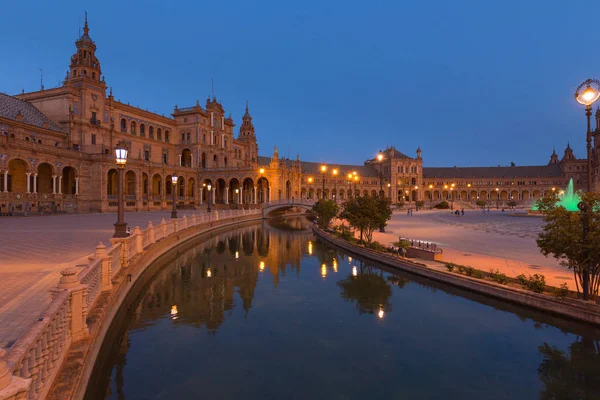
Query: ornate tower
[84, 64]
[418, 153]
[248, 137]
[553, 158]
[568, 156]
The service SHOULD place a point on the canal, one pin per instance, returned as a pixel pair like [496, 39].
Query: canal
[267, 311]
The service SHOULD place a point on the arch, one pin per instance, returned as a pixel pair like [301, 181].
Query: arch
[142, 130]
[263, 189]
[186, 158]
[123, 125]
[373, 193]
[428, 195]
[535, 195]
[473, 194]
[204, 190]
[311, 193]
[525, 195]
[203, 160]
[341, 194]
[68, 180]
[168, 186]
[166, 135]
[112, 182]
[483, 195]
[156, 185]
[463, 195]
[159, 134]
[288, 190]
[504, 195]
[365, 193]
[191, 187]
[247, 191]
[436, 195]
[414, 195]
[234, 184]
[144, 182]
[220, 190]
[17, 175]
[129, 187]
[133, 127]
[181, 186]
[303, 193]
[413, 181]
[514, 195]
[446, 195]
[44, 183]
[151, 132]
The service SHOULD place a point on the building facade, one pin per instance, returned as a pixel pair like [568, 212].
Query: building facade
[57, 155]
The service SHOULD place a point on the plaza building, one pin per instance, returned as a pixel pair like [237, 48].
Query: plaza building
[57, 155]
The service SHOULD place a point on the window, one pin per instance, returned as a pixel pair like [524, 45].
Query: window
[165, 158]
[93, 75]
[166, 136]
[151, 132]
[182, 137]
[93, 117]
[189, 137]
[123, 125]
[204, 138]
[184, 120]
[159, 134]
[142, 130]
[147, 155]
[93, 138]
[133, 127]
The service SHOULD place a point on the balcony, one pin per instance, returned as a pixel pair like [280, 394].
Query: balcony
[95, 122]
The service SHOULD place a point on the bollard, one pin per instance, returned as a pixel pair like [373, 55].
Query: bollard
[139, 240]
[151, 233]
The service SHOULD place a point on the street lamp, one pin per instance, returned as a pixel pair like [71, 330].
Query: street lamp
[587, 97]
[468, 192]
[310, 181]
[334, 172]
[355, 181]
[430, 195]
[389, 185]
[174, 179]
[261, 171]
[380, 158]
[209, 187]
[237, 193]
[497, 198]
[120, 225]
[323, 170]
[452, 198]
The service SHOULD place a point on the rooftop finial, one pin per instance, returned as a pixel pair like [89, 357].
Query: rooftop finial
[246, 106]
[86, 29]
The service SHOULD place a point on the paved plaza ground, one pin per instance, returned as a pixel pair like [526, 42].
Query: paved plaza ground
[498, 240]
[35, 249]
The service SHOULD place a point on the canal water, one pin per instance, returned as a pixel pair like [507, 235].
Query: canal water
[269, 312]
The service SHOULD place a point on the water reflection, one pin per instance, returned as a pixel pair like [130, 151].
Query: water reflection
[369, 289]
[224, 316]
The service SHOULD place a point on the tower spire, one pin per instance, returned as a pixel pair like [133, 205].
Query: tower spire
[86, 28]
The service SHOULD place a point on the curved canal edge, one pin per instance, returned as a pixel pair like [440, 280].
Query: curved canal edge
[77, 368]
[569, 308]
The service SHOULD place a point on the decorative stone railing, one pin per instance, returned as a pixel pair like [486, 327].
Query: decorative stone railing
[31, 364]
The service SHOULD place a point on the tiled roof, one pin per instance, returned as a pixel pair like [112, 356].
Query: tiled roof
[11, 106]
[542, 171]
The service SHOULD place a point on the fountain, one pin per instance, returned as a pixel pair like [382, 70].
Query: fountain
[566, 198]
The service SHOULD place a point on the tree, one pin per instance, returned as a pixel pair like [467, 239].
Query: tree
[368, 288]
[512, 203]
[481, 203]
[574, 239]
[366, 214]
[326, 210]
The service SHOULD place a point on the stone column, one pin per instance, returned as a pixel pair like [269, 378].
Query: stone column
[255, 195]
[6, 181]
[28, 182]
[105, 266]
[53, 184]
[269, 190]
[214, 197]
[35, 178]
[151, 233]
[241, 199]
[69, 281]
[201, 193]
[60, 184]
[139, 240]
[77, 185]
[227, 195]
[180, 160]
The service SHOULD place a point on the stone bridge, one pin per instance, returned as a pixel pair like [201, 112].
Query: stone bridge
[307, 204]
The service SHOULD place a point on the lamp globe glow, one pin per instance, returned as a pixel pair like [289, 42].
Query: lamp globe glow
[121, 154]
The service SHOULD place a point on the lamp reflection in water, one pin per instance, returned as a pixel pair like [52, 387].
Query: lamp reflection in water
[349, 260]
[381, 314]
[334, 265]
[354, 271]
[237, 255]
[174, 312]
[208, 273]
[262, 266]
[323, 270]
[310, 248]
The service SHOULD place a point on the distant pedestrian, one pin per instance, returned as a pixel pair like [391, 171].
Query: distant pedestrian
[408, 212]
[411, 211]
[462, 211]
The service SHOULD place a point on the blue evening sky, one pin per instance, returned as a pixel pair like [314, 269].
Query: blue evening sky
[471, 82]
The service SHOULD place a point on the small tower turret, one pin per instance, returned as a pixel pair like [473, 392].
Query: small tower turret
[418, 153]
[84, 63]
[553, 157]
[568, 156]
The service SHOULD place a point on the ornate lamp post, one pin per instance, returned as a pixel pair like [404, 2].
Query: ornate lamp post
[323, 170]
[310, 181]
[497, 198]
[355, 182]
[380, 158]
[237, 193]
[587, 97]
[469, 192]
[335, 172]
[430, 195]
[209, 187]
[120, 225]
[389, 185]
[262, 172]
[174, 179]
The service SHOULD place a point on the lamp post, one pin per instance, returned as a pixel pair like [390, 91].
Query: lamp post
[587, 97]
[380, 158]
[497, 198]
[416, 196]
[208, 187]
[452, 198]
[469, 192]
[237, 193]
[120, 225]
[174, 179]
[334, 173]
[310, 181]
[389, 185]
[261, 171]
[323, 170]
[355, 182]
[430, 195]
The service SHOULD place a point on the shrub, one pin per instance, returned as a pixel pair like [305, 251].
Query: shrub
[405, 244]
[481, 203]
[469, 271]
[512, 203]
[400, 204]
[377, 246]
[450, 267]
[460, 269]
[478, 274]
[562, 291]
[442, 206]
[420, 203]
[535, 283]
[498, 277]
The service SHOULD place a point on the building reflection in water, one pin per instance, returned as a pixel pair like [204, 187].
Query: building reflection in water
[367, 287]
